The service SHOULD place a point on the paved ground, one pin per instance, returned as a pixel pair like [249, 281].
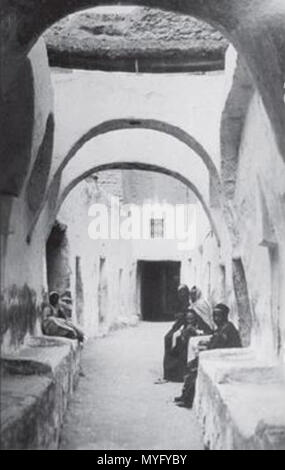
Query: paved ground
[117, 405]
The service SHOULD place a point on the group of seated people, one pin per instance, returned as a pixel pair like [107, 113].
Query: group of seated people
[195, 319]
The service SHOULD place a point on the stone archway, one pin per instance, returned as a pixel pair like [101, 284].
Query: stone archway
[253, 27]
[143, 167]
[152, 124]
[85, 189]
[133, 124]
[233, 120]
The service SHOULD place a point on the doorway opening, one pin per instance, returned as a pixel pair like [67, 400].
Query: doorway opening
[243, 301]
[57, 259]
[79, 292]
[103, 292]
[159, 284]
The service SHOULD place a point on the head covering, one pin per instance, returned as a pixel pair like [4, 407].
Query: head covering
[197, 292]
[184, 287]
[201, 307]
[224, 309]
[53, 298]
[67, 296]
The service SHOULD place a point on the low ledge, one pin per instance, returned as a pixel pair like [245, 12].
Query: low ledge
[36, 385]
[240, 402]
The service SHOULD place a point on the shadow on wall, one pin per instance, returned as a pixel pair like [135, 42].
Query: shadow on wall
[6, 207]
[57, 255]
[79, 292]
[39, 177]
[16, 124]
[19, 313]
[243, 302]
[103, 293]
[232, 124]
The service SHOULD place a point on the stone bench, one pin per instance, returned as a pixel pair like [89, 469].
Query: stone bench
[240, 402]
[36, 385]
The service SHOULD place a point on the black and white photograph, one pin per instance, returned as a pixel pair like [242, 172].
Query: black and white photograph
[142, 227]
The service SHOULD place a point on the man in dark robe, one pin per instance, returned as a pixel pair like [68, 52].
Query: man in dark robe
[176, 341]
[225, 336]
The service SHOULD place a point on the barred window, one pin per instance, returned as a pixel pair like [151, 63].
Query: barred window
[157, 228]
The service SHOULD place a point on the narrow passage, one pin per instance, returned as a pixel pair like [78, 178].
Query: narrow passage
[117, 405]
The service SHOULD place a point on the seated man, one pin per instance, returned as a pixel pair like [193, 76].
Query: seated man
[54, 322]
[188, 324]
[225, 336]
[66, 305]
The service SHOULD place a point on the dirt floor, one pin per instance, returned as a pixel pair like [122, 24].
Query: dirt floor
[118, 406]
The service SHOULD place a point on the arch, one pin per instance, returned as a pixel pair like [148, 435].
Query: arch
[151, 124]
[17, 114]
[143, 167]
[131, 124]
[24, 109]
[252, 26]
[38, 15]
[240, 285]
[233, 121]
[40, 173]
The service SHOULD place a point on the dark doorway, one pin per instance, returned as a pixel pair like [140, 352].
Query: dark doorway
[57, 257]
[79, 299]
[103, 292]
[159, 283]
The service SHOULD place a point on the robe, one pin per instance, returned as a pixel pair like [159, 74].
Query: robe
[224, 337]
[176, 344]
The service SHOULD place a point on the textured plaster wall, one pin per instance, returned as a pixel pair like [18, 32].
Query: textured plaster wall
[259, 217]
[138, 147]
[195, 103]
[160, 187]
[117, 255]
[25, 108]
[22, 276]
[120, 281]
[24, 271]
[192, 102]
[259, 202]
[255, 27]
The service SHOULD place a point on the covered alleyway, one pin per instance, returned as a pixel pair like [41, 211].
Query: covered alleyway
[169, 102]
[118, 406]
